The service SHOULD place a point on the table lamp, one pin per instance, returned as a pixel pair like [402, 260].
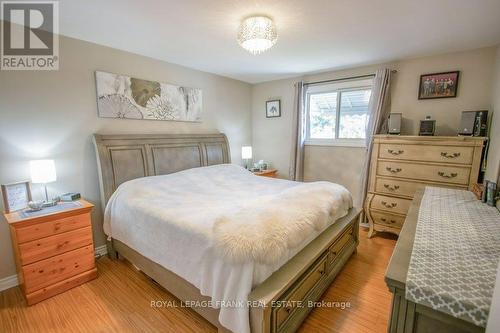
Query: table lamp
[246, 154]
[43, 172]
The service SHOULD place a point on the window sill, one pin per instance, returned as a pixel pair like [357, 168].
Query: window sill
[336, 143]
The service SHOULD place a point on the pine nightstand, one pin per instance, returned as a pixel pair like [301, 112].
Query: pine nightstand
[273, 173]
[54, 251]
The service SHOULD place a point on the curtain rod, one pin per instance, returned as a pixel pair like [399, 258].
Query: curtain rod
[345, 78]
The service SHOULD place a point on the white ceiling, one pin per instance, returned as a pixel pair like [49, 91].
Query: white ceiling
[313, 35]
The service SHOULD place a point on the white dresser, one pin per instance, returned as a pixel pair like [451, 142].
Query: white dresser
[401, 164]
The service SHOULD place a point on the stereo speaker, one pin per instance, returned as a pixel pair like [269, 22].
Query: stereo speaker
[395, 123]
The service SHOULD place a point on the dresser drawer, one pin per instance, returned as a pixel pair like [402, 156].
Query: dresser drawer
[50, 246]
[390, 220]
[396, 186]
[293, 300]
[429, 153]
[49, 271]
[429, 172]
[390, 204]
[406, 188]
[53, 227]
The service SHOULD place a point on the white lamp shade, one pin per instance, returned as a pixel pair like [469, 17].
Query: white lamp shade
[246, 152]
[43, 171]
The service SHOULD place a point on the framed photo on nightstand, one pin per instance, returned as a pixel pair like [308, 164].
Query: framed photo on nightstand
[273, 108]
[16, 196]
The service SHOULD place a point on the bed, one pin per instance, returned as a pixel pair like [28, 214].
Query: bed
[193, 223]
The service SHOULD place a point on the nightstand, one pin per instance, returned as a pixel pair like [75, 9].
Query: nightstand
[273, 173]
[53, 249]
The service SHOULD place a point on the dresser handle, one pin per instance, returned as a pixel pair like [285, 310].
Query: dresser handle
[383, 219]
[454, 155]
[391, 170]
[451, 175]
[288, 309]
[393, 188]
[387, 205]
[395, 152]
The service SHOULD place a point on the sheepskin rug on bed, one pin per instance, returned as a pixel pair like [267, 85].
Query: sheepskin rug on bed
[268, 227]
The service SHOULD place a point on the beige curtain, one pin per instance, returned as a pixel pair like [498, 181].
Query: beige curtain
[379, 109]
[296, 171]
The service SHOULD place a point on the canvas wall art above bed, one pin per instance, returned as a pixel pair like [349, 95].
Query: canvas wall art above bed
[121, 96]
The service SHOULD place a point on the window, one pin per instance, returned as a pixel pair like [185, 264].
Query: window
[337, 114]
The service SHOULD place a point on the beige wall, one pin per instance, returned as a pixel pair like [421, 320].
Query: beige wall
[474, 90]
[271, 137]
[53, 115]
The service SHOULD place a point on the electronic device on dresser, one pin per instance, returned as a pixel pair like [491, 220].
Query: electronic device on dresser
[474, 123]
[394, 123]
[427, 127]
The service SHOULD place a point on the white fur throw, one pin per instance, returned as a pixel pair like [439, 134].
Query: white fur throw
[268, 227]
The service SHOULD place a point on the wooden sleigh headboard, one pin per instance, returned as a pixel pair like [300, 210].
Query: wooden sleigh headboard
[125, 157]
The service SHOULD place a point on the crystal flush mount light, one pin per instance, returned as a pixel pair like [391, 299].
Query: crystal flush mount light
[257, 34]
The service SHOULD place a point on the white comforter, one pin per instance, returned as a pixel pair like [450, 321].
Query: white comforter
[213, 226]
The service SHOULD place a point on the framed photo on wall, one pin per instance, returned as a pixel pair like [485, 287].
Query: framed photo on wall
[438, 85]
[273, 108]
[16, 196]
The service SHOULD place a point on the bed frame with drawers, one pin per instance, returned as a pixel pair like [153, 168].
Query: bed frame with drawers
[282, 300]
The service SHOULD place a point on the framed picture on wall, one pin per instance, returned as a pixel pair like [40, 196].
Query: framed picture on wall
[438, 85]
[273, 108]
[16, 196]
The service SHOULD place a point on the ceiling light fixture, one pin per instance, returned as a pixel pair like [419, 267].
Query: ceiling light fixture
[257, 34]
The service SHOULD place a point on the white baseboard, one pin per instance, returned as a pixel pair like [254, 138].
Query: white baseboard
[8, 282]
[11, 281]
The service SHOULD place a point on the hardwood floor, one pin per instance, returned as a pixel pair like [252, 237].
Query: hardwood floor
[119, 300]
[361, 283]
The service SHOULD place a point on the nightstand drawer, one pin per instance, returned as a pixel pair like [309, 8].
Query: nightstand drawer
[49, 271]
[50, 246]
[54, 227]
